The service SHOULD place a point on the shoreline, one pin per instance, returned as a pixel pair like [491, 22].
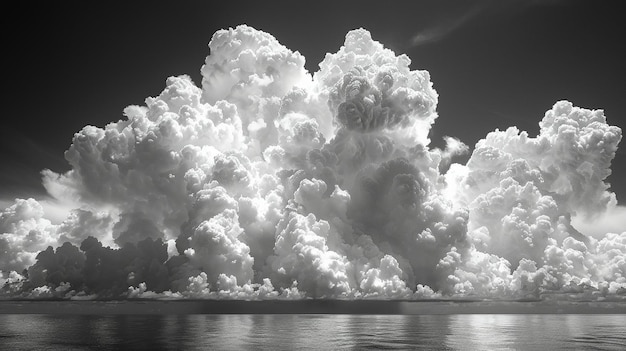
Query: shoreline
[373, 307]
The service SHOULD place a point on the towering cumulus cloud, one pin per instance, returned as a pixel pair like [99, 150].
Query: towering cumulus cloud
[272, 183]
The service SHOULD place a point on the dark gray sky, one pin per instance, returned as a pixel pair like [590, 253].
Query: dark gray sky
[494, 63]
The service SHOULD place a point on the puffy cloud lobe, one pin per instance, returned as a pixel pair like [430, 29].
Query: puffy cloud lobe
[476, 273]
[514, 221]
[298, 134]
[584, 145]
[385, 281]
[301, 255]
[216, 249]
[11, 283]
[594, 270]
[253, 70]
[312, 196]
[311, 103]
[141, 166]
[23, 233]
[570, 157]
[268, 183]
[609, 263]
[82, 223]
[244, 57]
[372, 89]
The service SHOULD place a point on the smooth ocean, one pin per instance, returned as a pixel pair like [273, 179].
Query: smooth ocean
[313, 332]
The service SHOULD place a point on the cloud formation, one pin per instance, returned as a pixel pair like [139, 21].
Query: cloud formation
[272, 183]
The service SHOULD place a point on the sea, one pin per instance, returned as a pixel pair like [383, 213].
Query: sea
[312, 332]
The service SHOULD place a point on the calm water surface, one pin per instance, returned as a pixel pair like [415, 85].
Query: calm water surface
[313, 332]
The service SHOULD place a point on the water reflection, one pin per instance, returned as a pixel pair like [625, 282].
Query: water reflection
[313, 332]
[483, 332]
[537, 332]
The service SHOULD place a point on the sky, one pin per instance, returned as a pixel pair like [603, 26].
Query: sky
[420, 149]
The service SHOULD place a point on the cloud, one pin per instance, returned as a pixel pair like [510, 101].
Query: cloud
[268, 182]
[450, 22]
[23, 233]
[448, 25]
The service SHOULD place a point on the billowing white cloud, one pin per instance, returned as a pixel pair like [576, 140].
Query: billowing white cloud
[302, 255]
[214, 248]
[23, 233]
[268, 182]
